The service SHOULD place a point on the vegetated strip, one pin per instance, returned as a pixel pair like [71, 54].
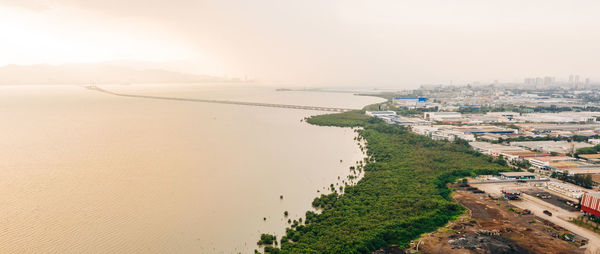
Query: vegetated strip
[403, 192]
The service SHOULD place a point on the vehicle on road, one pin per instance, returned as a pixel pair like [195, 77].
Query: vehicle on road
[543, 196]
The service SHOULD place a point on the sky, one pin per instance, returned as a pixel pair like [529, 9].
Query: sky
[387, 43]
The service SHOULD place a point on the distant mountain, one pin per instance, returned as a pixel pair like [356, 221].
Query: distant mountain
[97, 73]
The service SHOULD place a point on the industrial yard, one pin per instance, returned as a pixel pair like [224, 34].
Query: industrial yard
[555, 156]
[494, 225]
[552, 145]
[556, 164]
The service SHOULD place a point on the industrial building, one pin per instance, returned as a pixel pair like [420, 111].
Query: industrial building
[561, 147]
[517, 175]
[566, 189]
[484, 129]
[492, 137]
[494, 150]
[592, 158]
[562, 117]
[442, 132]
[380, 113]
[420, 102]
[391, 117]
[451, 135]
[590, 203]
[424, 130]
[442, 116]
[545, 162]
[503, 116]
[581, 170]
[409, 121]
[386, 116]
[549, 127]
[522, 155]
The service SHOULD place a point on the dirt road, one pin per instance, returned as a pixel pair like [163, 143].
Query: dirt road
[559, 216]
[495, 226]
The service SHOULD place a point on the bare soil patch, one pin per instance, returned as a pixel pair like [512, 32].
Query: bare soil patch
[495, 226]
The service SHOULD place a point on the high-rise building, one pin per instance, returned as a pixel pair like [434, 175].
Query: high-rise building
[548, 80]
[571, 79]
[539, 81]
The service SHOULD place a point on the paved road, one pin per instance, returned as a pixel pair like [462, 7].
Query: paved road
[561, 218]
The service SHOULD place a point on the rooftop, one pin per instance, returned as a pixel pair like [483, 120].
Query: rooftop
[565, 164]
[595, 194]
[484, 129]
[445, 113]
[581, 171]
[596, 177]
[529, 154]
[554, 158]
[516, 174]
[590, 156]
[382, 112]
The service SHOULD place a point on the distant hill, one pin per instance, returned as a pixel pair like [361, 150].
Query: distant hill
[98, 73]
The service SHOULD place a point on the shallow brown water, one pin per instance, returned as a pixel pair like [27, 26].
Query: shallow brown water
[85, 172]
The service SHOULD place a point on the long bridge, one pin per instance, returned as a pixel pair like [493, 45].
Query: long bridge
[259, 104]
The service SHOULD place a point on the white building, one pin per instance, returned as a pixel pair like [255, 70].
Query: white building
[442, 133]
[380, 113]
[424, 130]
[544, 162]
[561, 147]
[565, 189]
[561, 117]
[400, 120]
[494, 149]
[503, 116]
[440, 116]
[418, 102]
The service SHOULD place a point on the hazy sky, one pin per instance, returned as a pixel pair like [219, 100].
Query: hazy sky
[376, 43]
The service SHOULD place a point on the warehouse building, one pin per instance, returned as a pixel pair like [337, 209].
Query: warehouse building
[442, 116]
[545, 162]
[494, 150]
[380, 113]
[568, 190]
[522, 155]
[419, 102]
[592, 158]
[561, 147]
[517, 175]
[590, 203]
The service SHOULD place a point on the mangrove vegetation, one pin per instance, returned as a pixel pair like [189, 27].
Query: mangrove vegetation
[402, 194]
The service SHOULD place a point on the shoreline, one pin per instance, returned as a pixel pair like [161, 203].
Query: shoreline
[374, 200]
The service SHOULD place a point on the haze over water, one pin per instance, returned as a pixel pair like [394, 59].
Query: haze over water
[86, 172]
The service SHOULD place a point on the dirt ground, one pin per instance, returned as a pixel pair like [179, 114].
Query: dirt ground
[495, 226]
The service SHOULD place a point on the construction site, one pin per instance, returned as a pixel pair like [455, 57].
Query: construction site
[494, 225]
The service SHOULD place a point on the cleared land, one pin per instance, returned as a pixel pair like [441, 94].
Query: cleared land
[496, 226]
